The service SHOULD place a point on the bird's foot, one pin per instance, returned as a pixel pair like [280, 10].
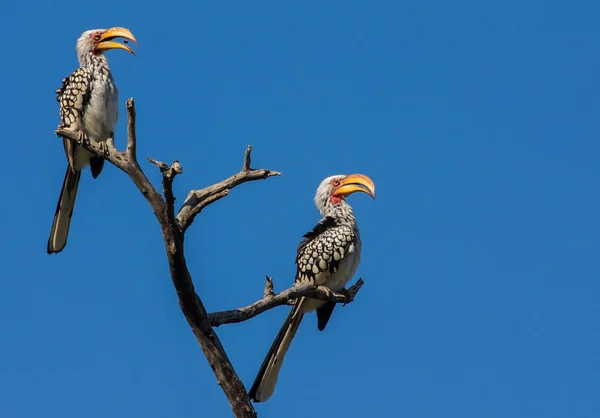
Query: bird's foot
[326, 290]
[103, 148]
[82, 138]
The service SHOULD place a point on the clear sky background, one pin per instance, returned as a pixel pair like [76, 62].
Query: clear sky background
[478, 123]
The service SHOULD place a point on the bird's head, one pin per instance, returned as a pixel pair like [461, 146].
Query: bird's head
[334, 189]
[96, 41]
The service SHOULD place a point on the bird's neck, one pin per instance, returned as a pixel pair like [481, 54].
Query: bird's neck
[342, 213]
[93, 61]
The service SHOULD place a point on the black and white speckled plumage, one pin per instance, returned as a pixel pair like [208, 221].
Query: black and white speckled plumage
[74, 96]
[323, 249]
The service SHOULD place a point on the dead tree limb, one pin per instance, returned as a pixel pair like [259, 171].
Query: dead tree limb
[173, 235]
[199, 199]
[270, 301]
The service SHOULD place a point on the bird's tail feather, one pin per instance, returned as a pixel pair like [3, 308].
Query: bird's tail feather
[64, 211]
[264, 384]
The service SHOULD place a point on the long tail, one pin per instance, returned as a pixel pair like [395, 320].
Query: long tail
[264, 384]
[64, 211]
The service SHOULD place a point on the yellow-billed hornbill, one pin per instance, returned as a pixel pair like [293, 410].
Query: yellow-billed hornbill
[89, 104]
[328, 255]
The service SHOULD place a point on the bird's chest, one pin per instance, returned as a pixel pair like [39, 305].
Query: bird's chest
[336, 281]
[101, 114]
[345, 272]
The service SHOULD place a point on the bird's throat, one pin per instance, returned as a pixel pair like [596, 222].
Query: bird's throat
[336, 200]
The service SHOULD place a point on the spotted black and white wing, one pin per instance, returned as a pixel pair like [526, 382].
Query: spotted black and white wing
[322, 250]
[73, 98]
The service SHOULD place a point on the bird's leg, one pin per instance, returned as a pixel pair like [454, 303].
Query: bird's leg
[326, 290]
[81, 137]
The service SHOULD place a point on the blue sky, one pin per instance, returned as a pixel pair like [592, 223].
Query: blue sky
[478, 123]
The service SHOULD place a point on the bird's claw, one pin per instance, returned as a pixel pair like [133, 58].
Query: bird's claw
[82, 138]
[103, 148]
[326, 290]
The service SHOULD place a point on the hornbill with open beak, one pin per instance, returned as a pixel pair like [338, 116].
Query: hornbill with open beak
[89, 104]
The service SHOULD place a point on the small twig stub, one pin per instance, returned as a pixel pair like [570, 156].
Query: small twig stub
[268, 288]
[247, 159]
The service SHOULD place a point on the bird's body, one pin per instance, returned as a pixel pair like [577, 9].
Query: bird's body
[327, 256]
[89, 104]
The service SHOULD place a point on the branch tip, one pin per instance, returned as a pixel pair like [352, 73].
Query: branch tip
[269, 173]
[268, 288]
[247, 159]
[177, 167]
[162, 166]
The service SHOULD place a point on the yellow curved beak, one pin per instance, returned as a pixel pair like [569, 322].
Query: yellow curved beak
[106, 38]
[356, 183]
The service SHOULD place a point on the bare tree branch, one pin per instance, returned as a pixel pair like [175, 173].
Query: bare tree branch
[199, 199]
[173, 235]
[195, 210]
[270, 301]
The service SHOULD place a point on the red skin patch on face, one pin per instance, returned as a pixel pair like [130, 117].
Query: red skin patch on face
[335, 199]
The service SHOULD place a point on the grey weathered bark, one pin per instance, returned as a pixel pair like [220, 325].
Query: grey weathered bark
[173, 227]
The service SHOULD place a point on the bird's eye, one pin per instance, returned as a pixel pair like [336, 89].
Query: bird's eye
[97, 37]
[336, 183]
